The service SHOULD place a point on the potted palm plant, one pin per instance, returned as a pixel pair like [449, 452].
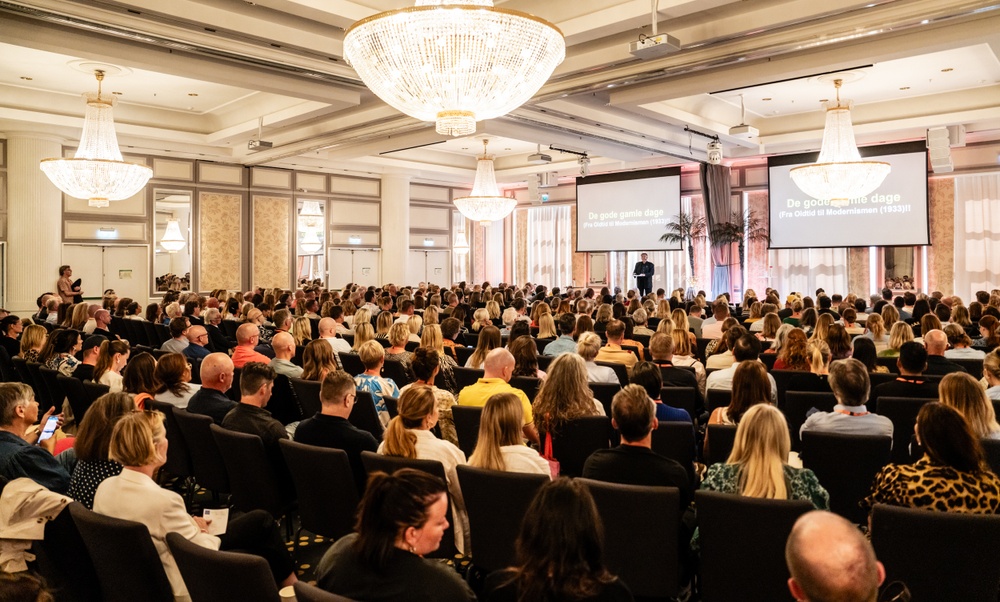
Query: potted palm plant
[742, 227]
[684, 228]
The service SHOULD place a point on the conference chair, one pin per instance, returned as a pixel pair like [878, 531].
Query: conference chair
[605, 393]
[234, 392]
[938, 555]
[74, 575]
[206, 461]
[398, 372]
[178, 457]
[351, 362]
[466, 420]
[768, 359]
[528, 384]
[79, 399]
[685, 398]
[306, 396]
[95, 390]
[576, 440]
[719, 440]
[641, 531]
[797, 405]
[902, 411]
[389, 464]
[465, 377]
[846, 465]
[127, 564]
[212, 575]
[733, 529]
[42, 394]
[310, 593]
[496, 503]
[992, 449]
[253, 477]
[675, 440]
[620, 371]
[365, 416]
[328, 494]
[391, 405]
[717, 398]
[284, 405]
[21, 370]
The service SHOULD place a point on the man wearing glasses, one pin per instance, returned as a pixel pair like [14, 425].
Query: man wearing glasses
[197, 337]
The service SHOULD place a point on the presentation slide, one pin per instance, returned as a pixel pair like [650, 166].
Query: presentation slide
[627, 211]
[895, 214]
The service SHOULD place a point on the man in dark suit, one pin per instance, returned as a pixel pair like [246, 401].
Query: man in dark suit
[911, 363]
[644, 270]
[936, 342]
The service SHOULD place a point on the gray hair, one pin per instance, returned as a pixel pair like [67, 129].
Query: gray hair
[13, 396]
[849, 381]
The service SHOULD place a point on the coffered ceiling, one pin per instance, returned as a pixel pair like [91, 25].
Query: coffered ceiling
[197, 78]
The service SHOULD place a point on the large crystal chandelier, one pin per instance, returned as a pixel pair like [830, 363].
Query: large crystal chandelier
[839, 174]
[454, 61]
[97, 171]
[485, 204]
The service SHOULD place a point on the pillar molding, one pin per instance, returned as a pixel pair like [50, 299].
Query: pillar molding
[395, 213]
[34, 221]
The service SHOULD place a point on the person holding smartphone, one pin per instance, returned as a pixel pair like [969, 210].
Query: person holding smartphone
[19, 454]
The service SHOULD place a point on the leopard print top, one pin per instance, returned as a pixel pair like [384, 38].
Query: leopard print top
[934, 487]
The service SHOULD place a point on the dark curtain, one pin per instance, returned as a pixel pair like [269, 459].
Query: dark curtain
[718, 208]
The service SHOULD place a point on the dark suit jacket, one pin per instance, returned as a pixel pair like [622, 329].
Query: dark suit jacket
[646, 269]
[217, 341]
[939, 365]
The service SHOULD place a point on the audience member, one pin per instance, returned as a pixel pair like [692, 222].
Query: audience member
[911, 365]
[425, 366]
[284, 351]
[178, 336]
[371, 381]
[500, 445]
[816, 379]
[497, 372]
[958, 341]
[139, 379]
[648, 376]
[91, 446]
[247, 337]
[216, 378]
[91, 350]
[489, 339]
[21, 454]
[565, 342]
[830, 560]
[962, 392]
[173, 372]
[197, 337]
[613, 352]
[793, 352]
[746, 349]
[564, 395]
[588, 347]
[111, 359]
[936, 343]
[850, 384]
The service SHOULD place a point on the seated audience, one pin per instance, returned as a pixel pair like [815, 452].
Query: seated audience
[991, 374]
[559, 551]
[900, 334]
[634, 462]
[92, 443]
[401, 519]
[952, 475]
[850, 384]
[959, 342]
[399, 335]
[565, 342]
[793, 353]
[409, 436]
[425, 366]
[60, 350]
[32, 342]
[10, 328]
[525, 354]
[173, 372]
[247, 338]
[819, 369]
[864, 352]
[647, 375]
[683, 356]
[371, 381]
[139, 444]
[283, 344]
[431, 339]
[249, 415]
[500, 445]
[989, 333]
[830, 559]
[216, 378]
[178, 336]
[564, 395]
[588, 346]
[750, 387]
[911, 365]
[21, 454]
[330, 426]
[497, 372]
[613, 352]
[936, 342]
[722, 355]
[111, 358]
[746, 349]
[962, 392]
[318, 360]
[489, 339]
[91, 350]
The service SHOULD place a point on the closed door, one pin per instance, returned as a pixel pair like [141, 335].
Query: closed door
[122, 268]
[361, 266]
[428, 266]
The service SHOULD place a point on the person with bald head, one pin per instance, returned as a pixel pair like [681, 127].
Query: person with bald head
[91, 323]
[216, 379]
[284, 350]
[328, 332]
[197, 337]
[102, 319]
[247, 338]
[936, 342]
[831, 561]
[497, 371]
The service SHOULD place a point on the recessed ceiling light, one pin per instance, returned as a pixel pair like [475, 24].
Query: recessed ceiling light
[611, 85]
[946, 70]
[27, 79]
[905, 88]
[765, 99]
[192, 94]
[824, 100]
[925, 21]
[506, 149]
[117, 93]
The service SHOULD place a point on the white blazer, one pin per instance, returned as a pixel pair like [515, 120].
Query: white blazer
[134, 496]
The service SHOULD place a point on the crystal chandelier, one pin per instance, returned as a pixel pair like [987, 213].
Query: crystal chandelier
[461, 246]
[310, 223]
[454, 61]
[172, 240]
[485, 204]
[97, 171]
[839, 174]
[310, 243]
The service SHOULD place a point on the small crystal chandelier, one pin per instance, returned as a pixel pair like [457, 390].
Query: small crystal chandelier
[454, 62]
[839, 174]
[485, 204]
[172, 240]
[97, 171]
[311, 244]
[310, 223]
[461, 246]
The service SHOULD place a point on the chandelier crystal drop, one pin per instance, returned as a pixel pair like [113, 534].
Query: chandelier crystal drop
[454, 62]
[485, 204]
[839, 174]
[97, 172]
[172, 240]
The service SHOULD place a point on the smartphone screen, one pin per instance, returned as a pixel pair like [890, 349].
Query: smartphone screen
[49, 428]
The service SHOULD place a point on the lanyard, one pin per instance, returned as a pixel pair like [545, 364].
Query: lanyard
[848, 413]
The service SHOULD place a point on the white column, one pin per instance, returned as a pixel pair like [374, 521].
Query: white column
[395, 228]
[34, 221]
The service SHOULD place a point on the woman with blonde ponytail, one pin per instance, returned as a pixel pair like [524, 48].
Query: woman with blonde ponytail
[409, 436]
[758, 465]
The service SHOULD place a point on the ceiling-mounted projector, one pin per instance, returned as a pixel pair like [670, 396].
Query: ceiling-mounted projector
[653, 47]
[744, 131]
[539, 158]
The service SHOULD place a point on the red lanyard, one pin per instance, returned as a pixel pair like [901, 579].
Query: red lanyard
[852, 413]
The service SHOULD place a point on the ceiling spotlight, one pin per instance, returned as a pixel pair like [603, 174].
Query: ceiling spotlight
[584, 166]
[714, 151]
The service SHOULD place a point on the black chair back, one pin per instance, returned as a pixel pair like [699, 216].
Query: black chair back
[178, 456]
[114, 544]
[527, 384]
[212, 575]
[79, 399]
[702, 348]
[21, 369]
[544, 361]
[253, 482]
[7, 372]
[717, 398]
[938, 555]
[797, 405]
[575, 440]
[641, 536]
[902, 411]
[846, 465]
[284, 405]
[206, 460]
[620, 371]
[783, 378]
[54, 387]
[462, 354]
[466, 420]
[992, 449]
[95, 390]
[398, 372]
[229, 327]
[152, 337]
[685, 398]
[310, 593]
[163, 334]
[42, 394]
[306, 396]
[67, 554]
[734, 528]
[328, 496]
[351, 363]
[768, 359]
[496, 503]
[719, 440]
[675, 440]
[390, 464]
[466, 376]
[365, 416]
[605, 393]
[391, 405]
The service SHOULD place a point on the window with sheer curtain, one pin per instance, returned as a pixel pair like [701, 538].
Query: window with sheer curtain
[550, 245]
[805, 270]
[977, 233]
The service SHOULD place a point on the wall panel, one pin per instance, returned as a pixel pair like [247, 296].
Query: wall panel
[271, 247]
[220, 216]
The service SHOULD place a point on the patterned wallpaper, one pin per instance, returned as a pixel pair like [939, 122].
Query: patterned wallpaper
[580, 275]
[219, 250]
[858, 272]
[941, 254]
[521, 245]
[757, 259]
[270, 241]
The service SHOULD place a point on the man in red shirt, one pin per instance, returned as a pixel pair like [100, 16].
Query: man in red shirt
[247, 337]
